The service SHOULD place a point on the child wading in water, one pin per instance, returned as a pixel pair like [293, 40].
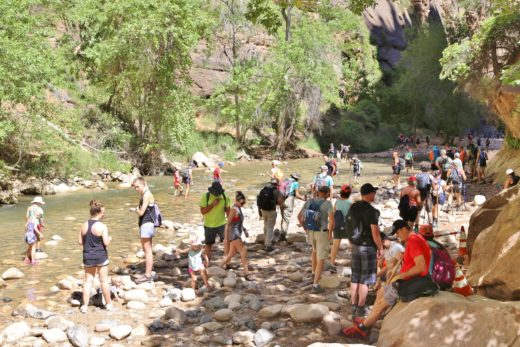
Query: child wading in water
[31, 237]
[195, 254]
[35, 214]
[177, 182]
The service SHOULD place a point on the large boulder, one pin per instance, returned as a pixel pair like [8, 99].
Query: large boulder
[495, 250]
[486, 214]
[202, 160]
[449, 319]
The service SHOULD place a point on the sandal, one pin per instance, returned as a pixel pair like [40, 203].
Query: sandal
[143, 279]
[250, 277]
[232, 266]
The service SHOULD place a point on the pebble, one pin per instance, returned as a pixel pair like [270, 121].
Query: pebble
[263, 337]
[12, 274]
[120, 332]
[223, 315]
[54, 336]
[135, 305]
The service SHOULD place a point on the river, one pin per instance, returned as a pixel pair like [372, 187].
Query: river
[66, 257]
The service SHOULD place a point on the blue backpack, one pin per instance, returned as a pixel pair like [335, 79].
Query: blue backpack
[312, 216]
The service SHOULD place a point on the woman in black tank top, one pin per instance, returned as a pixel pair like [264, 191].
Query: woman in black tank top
[94, 238]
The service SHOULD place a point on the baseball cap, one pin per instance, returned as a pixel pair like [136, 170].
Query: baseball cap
[412, 179]
[398, 224]
[367, 188]
[324, 189]
[324, 167]
[426, 230]
[509, 171]
[346, 188]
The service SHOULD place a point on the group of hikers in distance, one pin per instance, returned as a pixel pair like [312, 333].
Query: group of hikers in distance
[397, 264]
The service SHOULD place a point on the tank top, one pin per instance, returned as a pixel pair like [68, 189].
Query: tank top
[343, 206]
[147, 216]
[94, 250]
[237, 224]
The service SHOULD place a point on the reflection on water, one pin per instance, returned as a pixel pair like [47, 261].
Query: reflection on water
[66, 257]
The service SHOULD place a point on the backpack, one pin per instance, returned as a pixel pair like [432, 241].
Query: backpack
[442, 269]
[330, 167]
[482, 159]
[455, 176]
[285, 187]
[156, 216]
[402, 163]
[265, 199]
[320, 181]
[340, 222]
[404, 206]
[312, 216]
[184, 173]
[354, 227]
[423, 181]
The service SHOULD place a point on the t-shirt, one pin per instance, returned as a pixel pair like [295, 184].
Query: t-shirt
[408, 156]
[325, 209]
[293, 188]
[35, 213]
[195, 259]
[323, 177]
[368, 215]
[443, 163]
[458, 163]
[394, 249]
[415, 246]
[343, 206]
[216, 174]
[217, 216]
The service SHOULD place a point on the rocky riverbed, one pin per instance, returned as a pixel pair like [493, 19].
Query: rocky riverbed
[276, 308]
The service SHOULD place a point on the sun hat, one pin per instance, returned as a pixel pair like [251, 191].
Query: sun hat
[216, 189]
[324, 167]
[509, 171]
[38, 200]
[346, 188]
[296, 176]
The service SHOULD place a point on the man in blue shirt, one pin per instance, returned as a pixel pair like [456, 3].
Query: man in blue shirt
[288, 206]
[323, 179]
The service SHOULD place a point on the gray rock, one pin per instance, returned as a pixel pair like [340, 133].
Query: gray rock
[215, 304]
[270, 311]
[175, 294]
[54, 336]
[156, 325]
[222, 340]
[255, 304]
[223, 315]
[30, 311]
[120, 332]
[15, 332]
[176, 314]
[229, 282]
[78, 336]
[58, 322]
[233, 298]
[262, 337]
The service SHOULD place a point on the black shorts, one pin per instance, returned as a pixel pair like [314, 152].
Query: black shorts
[409, 163]
[411, 214]
[210, 234]
[396, 170]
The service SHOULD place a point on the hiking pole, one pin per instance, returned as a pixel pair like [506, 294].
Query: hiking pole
[448, 234]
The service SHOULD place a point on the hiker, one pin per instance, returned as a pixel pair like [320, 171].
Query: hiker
[317, 219]
[439, 188]
[332, 166]
[146, 212]
[332, 151]
[195, 262]
[289, 188]
[214, 206]
[35, 213]
[217, 173]
[412, 280]
[456, 178]
[488, 143]
[410, 202]
[408, 158]
[366, 250]
[187, 179]
[396, 169]
[93, 236]
[427, 141]
[443, 163]
[340, 211]
[31, 238]
[356, 168]
[424, 185]
[417, 142]
[463, 157]
[512, 179]
[276, 172]
[472, 151]
[344, 152]
[482, 159]
[177, 179]
[393, 252]
[323, 179]
[436, 153]
[233, 234]
[266, 201]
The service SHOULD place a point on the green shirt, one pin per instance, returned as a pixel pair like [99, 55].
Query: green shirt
[217, 216]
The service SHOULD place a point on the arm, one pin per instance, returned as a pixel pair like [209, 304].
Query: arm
[376, 235]
[205, 210]
[227, 228]
[80, 236]
[331, 224]
[417, 269]
[104, 234]
[298, 195]
[146, 200]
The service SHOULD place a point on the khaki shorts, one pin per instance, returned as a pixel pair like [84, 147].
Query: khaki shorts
[320, 243]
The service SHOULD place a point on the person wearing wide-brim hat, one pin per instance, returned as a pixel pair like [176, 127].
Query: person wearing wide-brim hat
[35, 214]
[293, 193]
[512, 179]
[214, 206]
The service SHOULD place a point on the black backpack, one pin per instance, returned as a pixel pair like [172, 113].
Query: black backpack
[354, 227]
[265, 199]
[404, 206]
[340, 222]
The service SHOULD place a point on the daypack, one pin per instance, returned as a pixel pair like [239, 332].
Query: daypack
[455, 176]
[156, 216]
[404, 206]
[185, 173]
[442, 269]
[330, 167]
[423, 181]
[312, 216]
[356, 165]
[402, 163]
[285, 187]
[320, 181]
[340, 222]
[265, 199]
[354, 227]
[482, 158]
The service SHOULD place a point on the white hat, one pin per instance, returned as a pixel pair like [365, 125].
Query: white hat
[457, 155]
[509, 171]
[324, 167]
[277, 162]
[38, 200]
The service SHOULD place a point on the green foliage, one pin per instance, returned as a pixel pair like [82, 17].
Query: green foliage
[310, 142]
[512, 142]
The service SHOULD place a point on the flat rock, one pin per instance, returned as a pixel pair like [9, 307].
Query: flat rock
[30, 311]
[212, 326]
[223, 314]
[329, 282]
[78, 336]
[135, 305]
[15, 332]
[59, 322]
[308, 313]
[233, 298]
[216, 271]
[296, 237]
[105, 325]
[132, 260]
[270, 311]
[120, 332]
[188, 294]
[12, 274]
[136, 295]
[263, 337]
[54, 336]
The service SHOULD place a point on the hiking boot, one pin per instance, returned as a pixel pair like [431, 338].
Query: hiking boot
[269, 249]
[362, 311]
[316, 289]
[355, 332]
[333, 269]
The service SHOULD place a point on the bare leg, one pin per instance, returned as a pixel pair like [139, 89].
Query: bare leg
[187, 190]
[146, 243]
[380, 306]
[354, 293]
[193, 280]
[319, 269]
[313, 261]
[230, 254]
[243, 255]
[207, 249]
[334, 251]
[103, 280]
[362, 292]
[90, 272]
[204, 276]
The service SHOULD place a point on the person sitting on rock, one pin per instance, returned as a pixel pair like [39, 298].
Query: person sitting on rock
[512, 179]
[412, 280]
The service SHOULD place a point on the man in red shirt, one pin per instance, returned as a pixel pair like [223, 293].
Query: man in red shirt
[416, 260]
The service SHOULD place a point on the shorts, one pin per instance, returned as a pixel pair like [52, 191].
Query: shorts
[439, 199]
[357, 173]
[457, 187]
[210, 234]
[410, 215]
[409, 163]
[364, 265]
[320, 243]
[105, 263]
[390, 294]
[147, 230]
[396, 170]
[190, 270]
[186, 180]
[30, 238]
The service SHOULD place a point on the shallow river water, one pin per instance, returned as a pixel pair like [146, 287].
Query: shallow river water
[66, 257]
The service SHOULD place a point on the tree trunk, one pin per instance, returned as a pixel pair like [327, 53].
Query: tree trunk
[237, 117]
[286, 14]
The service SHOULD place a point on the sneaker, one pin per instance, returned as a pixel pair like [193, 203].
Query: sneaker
[333, 269]
[110, 308]
[355, 332]
[83, 309]
[143, 279]
[39, 250]
[316, 289]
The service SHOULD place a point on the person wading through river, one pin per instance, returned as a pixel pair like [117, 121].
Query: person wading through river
[214, 206]
[93, 236]
[146, 212]
[35, 213]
